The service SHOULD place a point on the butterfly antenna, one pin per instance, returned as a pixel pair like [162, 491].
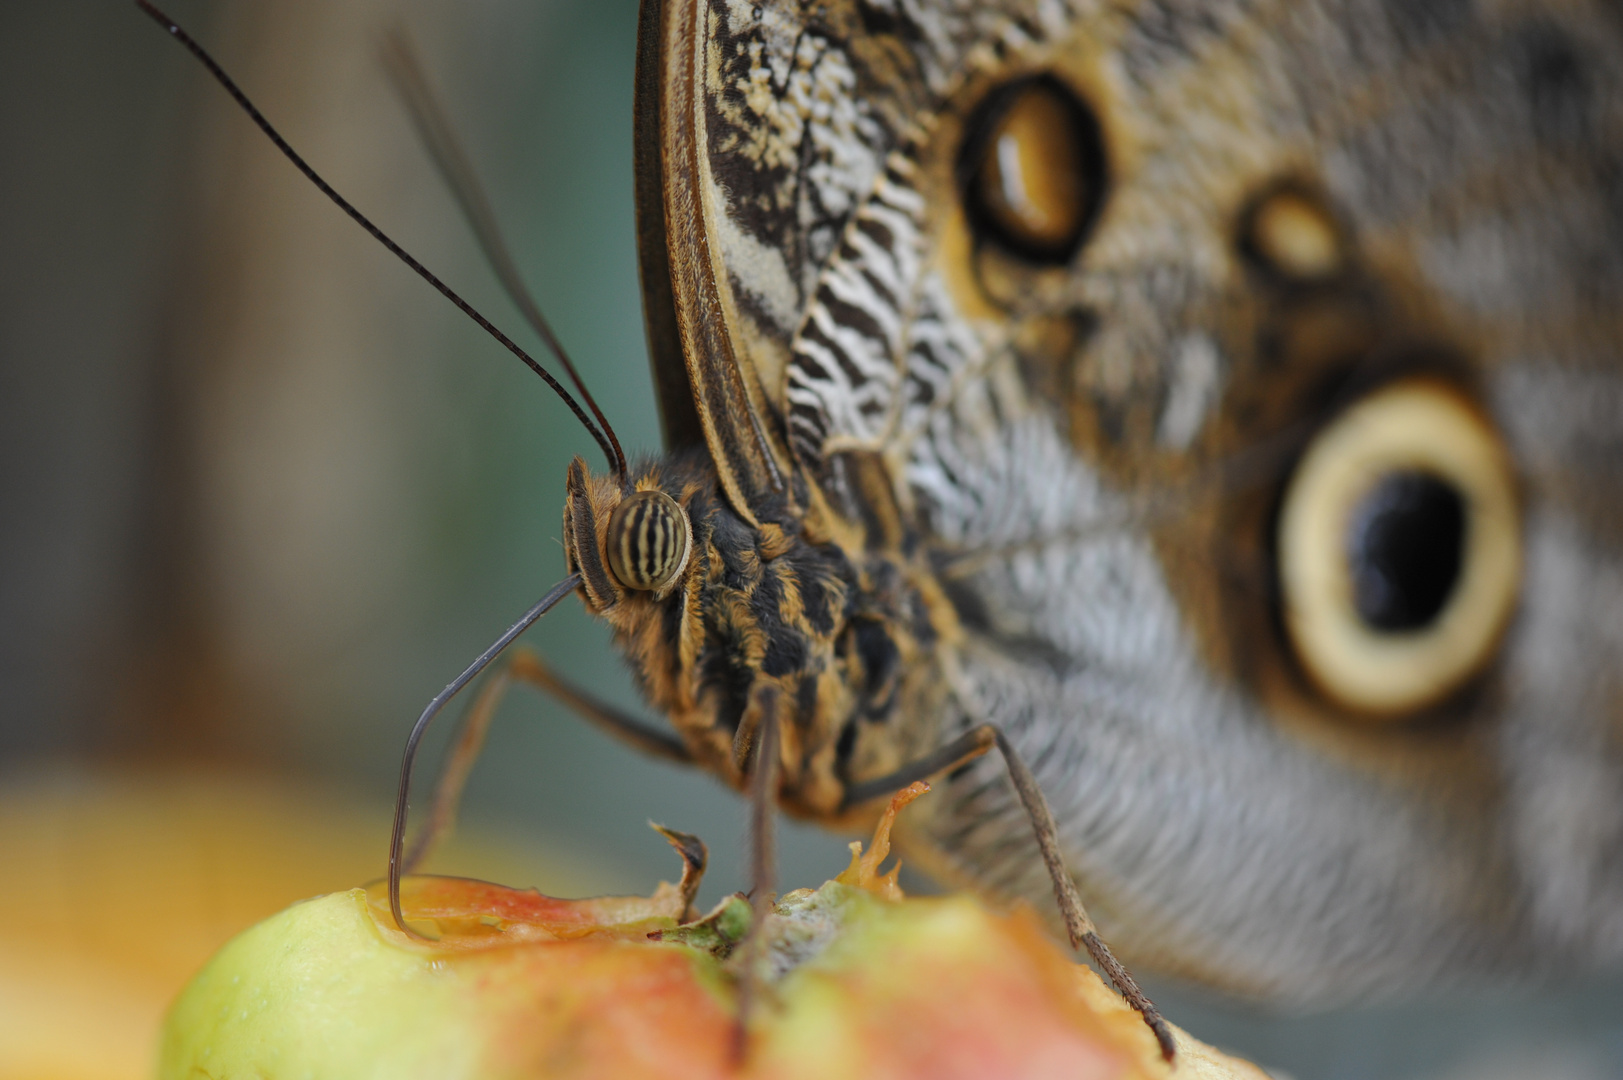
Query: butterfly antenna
[402, 60]
[611, 449]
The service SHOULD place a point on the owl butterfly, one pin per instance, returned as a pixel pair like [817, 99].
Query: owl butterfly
[1222, 399]
[1219, 399]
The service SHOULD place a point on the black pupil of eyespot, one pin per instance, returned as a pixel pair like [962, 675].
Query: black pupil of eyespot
[1405, 544]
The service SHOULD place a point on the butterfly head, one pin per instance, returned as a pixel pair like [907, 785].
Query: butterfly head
[645, 551]
[631, 543]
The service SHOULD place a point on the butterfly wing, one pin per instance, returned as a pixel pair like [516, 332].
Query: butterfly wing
[1093, 452]
[698, 317]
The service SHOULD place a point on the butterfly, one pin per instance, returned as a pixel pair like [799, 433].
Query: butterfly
[1222, 399]
[1219, 399]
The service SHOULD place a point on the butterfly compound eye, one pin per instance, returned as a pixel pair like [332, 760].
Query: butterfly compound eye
[649, 540]
[1399, 551]
[1035, 170]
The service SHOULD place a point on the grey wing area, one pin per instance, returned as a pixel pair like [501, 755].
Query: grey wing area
[1208, 838]
[1205, 841]
[1208, 841]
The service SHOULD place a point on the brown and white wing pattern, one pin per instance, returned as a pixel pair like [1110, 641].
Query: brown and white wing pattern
[1091, 455]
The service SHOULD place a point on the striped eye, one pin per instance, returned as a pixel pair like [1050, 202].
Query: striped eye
[648, 541]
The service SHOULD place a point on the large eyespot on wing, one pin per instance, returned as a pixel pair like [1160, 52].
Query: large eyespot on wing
[1399, 549]
[1033, 170]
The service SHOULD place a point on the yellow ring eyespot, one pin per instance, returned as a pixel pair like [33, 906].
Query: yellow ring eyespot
[649, 539]
[1399, 549]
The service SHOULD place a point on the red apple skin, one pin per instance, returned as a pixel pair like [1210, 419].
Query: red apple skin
[598, 1008]
[940, 988]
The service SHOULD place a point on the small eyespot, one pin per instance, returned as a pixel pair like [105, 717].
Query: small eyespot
[1034, 166]
[648, 541]
[1292, 236]
[1399, 549]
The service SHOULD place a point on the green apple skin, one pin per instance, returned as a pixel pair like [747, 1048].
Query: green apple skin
[322, 990]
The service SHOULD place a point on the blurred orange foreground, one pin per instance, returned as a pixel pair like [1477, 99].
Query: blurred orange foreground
[117, 886]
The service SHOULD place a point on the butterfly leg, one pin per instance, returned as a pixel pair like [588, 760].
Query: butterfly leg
[759, 739]
[1078, 926]
[526, 667]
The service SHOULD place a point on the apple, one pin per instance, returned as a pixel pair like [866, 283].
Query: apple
[859, 982]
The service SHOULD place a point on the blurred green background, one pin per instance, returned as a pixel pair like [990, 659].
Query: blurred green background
[262, 493]
[266, 491]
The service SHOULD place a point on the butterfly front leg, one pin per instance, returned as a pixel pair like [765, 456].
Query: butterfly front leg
[1078, 925]
[525, 666]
